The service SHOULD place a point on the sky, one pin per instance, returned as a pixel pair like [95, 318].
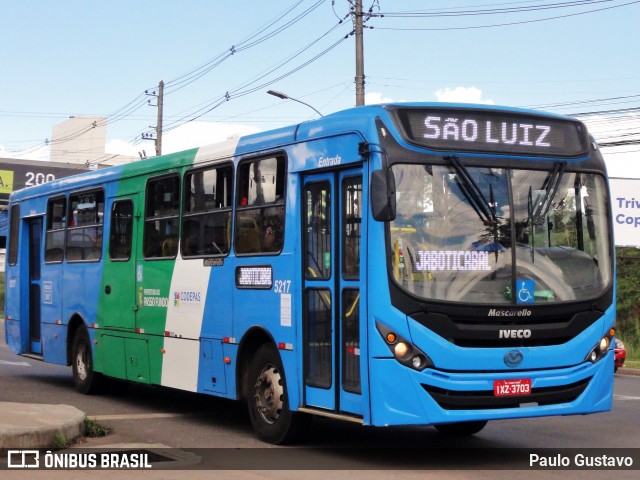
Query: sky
[60, 58]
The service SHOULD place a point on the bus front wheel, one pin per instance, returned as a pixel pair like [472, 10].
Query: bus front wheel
[266, 388]
[85, 379]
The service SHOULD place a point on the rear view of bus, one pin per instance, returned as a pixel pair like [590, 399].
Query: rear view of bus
[498, 249]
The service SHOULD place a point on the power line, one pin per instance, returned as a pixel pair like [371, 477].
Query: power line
[606, 100]
[252, 85]
[193, 75]
[504, 24]
[478, 11]
[286, 19]
[190, 77]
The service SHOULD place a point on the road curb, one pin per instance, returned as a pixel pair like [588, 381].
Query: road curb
[24, 425]
[628, 371]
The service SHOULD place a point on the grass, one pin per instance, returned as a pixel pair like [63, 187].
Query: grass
[59, 442]
[93, 429]
[631, 339]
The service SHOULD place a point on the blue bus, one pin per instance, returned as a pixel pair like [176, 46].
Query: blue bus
[399, 264]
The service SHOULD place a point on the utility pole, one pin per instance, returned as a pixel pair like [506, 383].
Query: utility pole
[159, 123]
[359, 54]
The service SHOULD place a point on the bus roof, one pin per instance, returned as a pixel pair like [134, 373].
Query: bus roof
[357, 119]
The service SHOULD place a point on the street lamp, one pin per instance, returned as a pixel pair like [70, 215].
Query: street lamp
[284, 96]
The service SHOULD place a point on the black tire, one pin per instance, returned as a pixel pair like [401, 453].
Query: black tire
[85, 379]
[268, 402]
[460, 429]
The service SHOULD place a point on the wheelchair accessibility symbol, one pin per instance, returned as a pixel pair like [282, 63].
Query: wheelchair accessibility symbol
[526, 291]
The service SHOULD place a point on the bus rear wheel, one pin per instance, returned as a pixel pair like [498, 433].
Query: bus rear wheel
[85, 379]
[272, 419]
[460, 429]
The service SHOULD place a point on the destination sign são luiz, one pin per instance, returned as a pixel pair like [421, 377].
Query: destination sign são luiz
[493, 132]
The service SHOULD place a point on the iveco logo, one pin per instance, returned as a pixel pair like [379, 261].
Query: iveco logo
[513, 358]
[524, 333]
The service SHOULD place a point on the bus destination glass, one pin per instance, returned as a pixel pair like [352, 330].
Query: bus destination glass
[493, 132]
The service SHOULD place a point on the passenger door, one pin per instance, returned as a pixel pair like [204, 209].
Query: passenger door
[118, 291]
[34, 226]
[332, 242]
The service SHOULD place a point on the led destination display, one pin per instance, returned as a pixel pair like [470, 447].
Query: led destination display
[493, 132]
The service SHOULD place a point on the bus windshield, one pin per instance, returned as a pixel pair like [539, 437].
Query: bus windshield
[500, 236]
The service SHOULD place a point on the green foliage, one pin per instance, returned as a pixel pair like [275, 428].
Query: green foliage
[59, 441]
[93, 429]
[630, 336]
[628, 299]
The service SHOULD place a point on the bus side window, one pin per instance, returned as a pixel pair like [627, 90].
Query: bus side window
[161, 217]
[121, 230]
[56, 224]
[351, 228]
[206, 221]
[259, 222]
[85, 226]
[14, 235]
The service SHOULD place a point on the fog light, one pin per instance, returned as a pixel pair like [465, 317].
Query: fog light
[401, 349]
[416, 361]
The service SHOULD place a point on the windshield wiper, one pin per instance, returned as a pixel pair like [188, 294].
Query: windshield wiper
[486, 210]
[473, 193]
[550, 187]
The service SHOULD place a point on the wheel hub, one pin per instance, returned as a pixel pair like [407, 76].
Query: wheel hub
[269, 394]
[81, 366]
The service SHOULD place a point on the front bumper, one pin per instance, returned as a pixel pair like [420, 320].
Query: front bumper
[402, 396]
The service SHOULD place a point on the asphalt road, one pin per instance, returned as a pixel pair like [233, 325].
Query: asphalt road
[152, 417]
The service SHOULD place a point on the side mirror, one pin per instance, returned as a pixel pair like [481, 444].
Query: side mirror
[383, 195]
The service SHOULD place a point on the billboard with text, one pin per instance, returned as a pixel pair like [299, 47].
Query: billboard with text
[625, 204]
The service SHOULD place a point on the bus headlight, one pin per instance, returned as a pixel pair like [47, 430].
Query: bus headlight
[600, 350]
[404, 351]
[400, 350]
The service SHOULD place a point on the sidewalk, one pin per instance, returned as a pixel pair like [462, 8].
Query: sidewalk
[29, 425]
